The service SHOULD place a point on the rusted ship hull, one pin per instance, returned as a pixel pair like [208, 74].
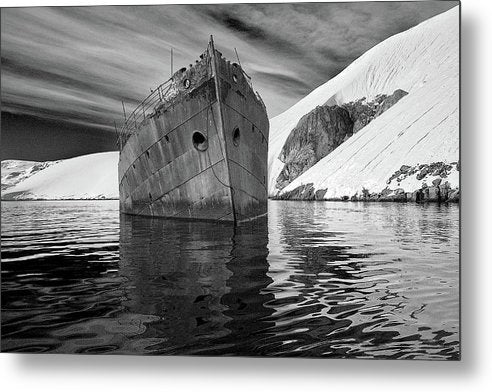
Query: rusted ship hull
[201, 155]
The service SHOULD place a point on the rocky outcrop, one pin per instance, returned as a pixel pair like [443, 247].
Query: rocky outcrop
[426, 193]
[363, 112]
[386, 102]
[316, 135]
[419, 183]
[440, 194]
[303, 192]
[324, 128]
[435, 169]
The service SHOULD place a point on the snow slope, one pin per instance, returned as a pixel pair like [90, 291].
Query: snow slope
[14, 171]
[93, 176]
[422, 127]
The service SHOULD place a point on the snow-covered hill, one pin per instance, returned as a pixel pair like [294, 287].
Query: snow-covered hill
[14, 171]
[93, 176]
[422, 128]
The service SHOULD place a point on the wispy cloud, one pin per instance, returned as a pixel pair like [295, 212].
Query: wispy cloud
[78, 63]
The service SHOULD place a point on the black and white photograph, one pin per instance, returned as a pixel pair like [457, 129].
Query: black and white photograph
[247, 180]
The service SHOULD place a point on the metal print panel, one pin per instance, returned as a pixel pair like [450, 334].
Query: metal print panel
[232, 179]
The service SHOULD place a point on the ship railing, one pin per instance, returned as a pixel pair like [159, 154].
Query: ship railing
[164, 93]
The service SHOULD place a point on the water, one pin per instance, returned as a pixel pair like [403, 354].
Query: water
[344, 280]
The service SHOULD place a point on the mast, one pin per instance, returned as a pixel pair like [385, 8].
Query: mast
[221, 123]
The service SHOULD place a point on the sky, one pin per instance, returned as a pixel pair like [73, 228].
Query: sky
[65, 70]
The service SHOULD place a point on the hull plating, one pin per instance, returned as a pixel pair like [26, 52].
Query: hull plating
[164, 173]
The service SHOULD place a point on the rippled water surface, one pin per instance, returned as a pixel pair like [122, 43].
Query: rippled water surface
[348, 280]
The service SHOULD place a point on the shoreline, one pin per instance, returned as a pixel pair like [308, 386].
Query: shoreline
[342, 200]
[335, 199]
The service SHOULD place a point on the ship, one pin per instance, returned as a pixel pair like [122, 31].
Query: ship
[196, 147]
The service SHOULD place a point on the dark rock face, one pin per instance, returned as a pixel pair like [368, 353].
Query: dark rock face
[302, 192]
[363, 112]
[437, 182]
[385, 102]
[323, 129]
[320, 194]
[316, 135]
[431, 194]
[454, 196]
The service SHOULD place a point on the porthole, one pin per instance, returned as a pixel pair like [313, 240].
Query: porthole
[200, 142]
[186, 83]
[236, 136]
[166, 137]
[234, 77]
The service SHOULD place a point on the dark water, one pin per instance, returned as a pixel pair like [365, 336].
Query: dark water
[347, 280]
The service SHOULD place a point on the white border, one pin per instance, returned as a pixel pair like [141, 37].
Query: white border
[36, 373]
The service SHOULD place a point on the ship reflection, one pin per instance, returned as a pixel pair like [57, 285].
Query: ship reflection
[199, 284]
